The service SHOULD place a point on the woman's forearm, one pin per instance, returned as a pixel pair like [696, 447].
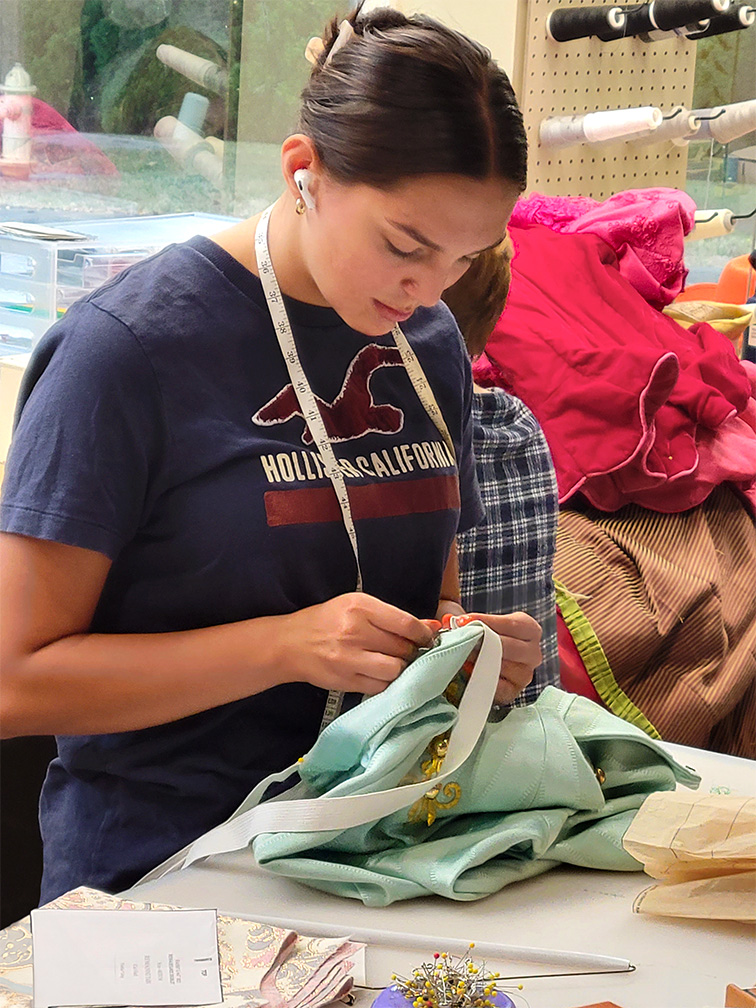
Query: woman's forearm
[98, 683]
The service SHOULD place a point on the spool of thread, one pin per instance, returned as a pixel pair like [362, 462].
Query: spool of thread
[216, 145]
[676, 125]
[189, 149]
[598, 127]
[568, 23]
[711, 224]
[202, 71]
[193, 111]
[639, 19]
[735, 19]
[734, 121]
[669, 14]
[664, 36]
[663, 19]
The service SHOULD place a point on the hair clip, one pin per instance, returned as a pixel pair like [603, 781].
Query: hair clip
[313, 49]
[346, 32]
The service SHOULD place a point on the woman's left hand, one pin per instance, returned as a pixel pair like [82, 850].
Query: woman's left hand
[520, 646]
[520, 651]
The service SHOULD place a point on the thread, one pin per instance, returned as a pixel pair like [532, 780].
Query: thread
[657, 35]
[202, 71]
[640, 19]
[190, 149]
[598, 127]
[635, 21]
[670, 14]
[568, 23]
[663, 19]
[193, 110]
[711, 224]
[726, 122]
[735, 19]
[216, 145]
[678, 124]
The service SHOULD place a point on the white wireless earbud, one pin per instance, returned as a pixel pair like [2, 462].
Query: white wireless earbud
[302, 179]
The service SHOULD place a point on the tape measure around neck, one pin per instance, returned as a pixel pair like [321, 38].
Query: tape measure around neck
[305, 396]
[311, 411]
[422, 387]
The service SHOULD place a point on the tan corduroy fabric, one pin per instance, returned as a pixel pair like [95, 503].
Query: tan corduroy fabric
[672, 601]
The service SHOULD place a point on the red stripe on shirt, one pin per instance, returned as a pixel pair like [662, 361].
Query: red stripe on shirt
[377, 500]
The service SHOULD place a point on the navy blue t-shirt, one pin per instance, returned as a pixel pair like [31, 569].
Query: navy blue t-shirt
[157, 425]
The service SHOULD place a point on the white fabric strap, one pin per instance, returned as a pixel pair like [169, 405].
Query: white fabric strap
[326, 814]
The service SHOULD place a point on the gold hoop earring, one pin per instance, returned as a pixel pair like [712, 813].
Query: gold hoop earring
[299, 206]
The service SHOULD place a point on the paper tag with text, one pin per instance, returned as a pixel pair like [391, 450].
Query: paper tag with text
[112, 957]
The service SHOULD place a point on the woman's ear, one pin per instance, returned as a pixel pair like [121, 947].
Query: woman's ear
[297, 153]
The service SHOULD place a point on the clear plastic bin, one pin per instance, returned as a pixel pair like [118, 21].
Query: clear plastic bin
[41, 279]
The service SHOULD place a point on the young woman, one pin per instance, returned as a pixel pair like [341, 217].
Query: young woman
[193, 571]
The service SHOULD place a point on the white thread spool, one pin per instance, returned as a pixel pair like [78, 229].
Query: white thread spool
[738, 120]
[711, 224]
[202, 71]
[726, 122]
[678, 124]
[694, 125]
[598, 127]
[216, 145]
[16, 119]
[190, 149]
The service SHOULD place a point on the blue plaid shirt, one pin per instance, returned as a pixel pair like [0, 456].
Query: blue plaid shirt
[506, 562]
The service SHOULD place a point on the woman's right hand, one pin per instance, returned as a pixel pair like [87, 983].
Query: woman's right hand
[354, 642]
[61, 678]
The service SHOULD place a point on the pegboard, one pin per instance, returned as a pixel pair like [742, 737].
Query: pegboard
[587, 75]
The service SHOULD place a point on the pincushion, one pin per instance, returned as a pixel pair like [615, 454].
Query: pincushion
[392, 997]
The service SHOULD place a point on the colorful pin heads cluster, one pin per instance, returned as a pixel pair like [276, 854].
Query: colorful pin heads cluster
[446, 982]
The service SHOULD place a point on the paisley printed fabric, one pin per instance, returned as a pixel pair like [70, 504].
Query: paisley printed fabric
[260, 964]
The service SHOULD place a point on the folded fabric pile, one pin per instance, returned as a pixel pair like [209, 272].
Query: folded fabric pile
[651, 422]
[663, 613]
[644, 227]
[260, 964]
[635, 408]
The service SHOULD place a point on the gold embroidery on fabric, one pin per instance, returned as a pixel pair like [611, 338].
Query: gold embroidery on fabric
[427, 807]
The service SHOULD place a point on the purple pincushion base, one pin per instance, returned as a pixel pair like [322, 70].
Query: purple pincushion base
[392, 997]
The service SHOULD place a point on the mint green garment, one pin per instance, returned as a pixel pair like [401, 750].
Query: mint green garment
[530, 794]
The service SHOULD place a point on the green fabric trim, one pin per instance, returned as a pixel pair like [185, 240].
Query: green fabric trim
[597, 664]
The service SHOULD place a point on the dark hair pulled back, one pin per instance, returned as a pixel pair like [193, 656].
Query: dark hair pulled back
[409, 96]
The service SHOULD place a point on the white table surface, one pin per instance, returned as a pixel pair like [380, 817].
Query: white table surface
[679, 963]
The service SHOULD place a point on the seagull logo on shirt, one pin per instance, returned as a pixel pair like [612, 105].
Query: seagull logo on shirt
[353, 413]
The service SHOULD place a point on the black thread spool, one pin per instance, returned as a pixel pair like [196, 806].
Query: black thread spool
[568, 23]
[637, 20]
[734, 19]
[662, 36]
[670, 14]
